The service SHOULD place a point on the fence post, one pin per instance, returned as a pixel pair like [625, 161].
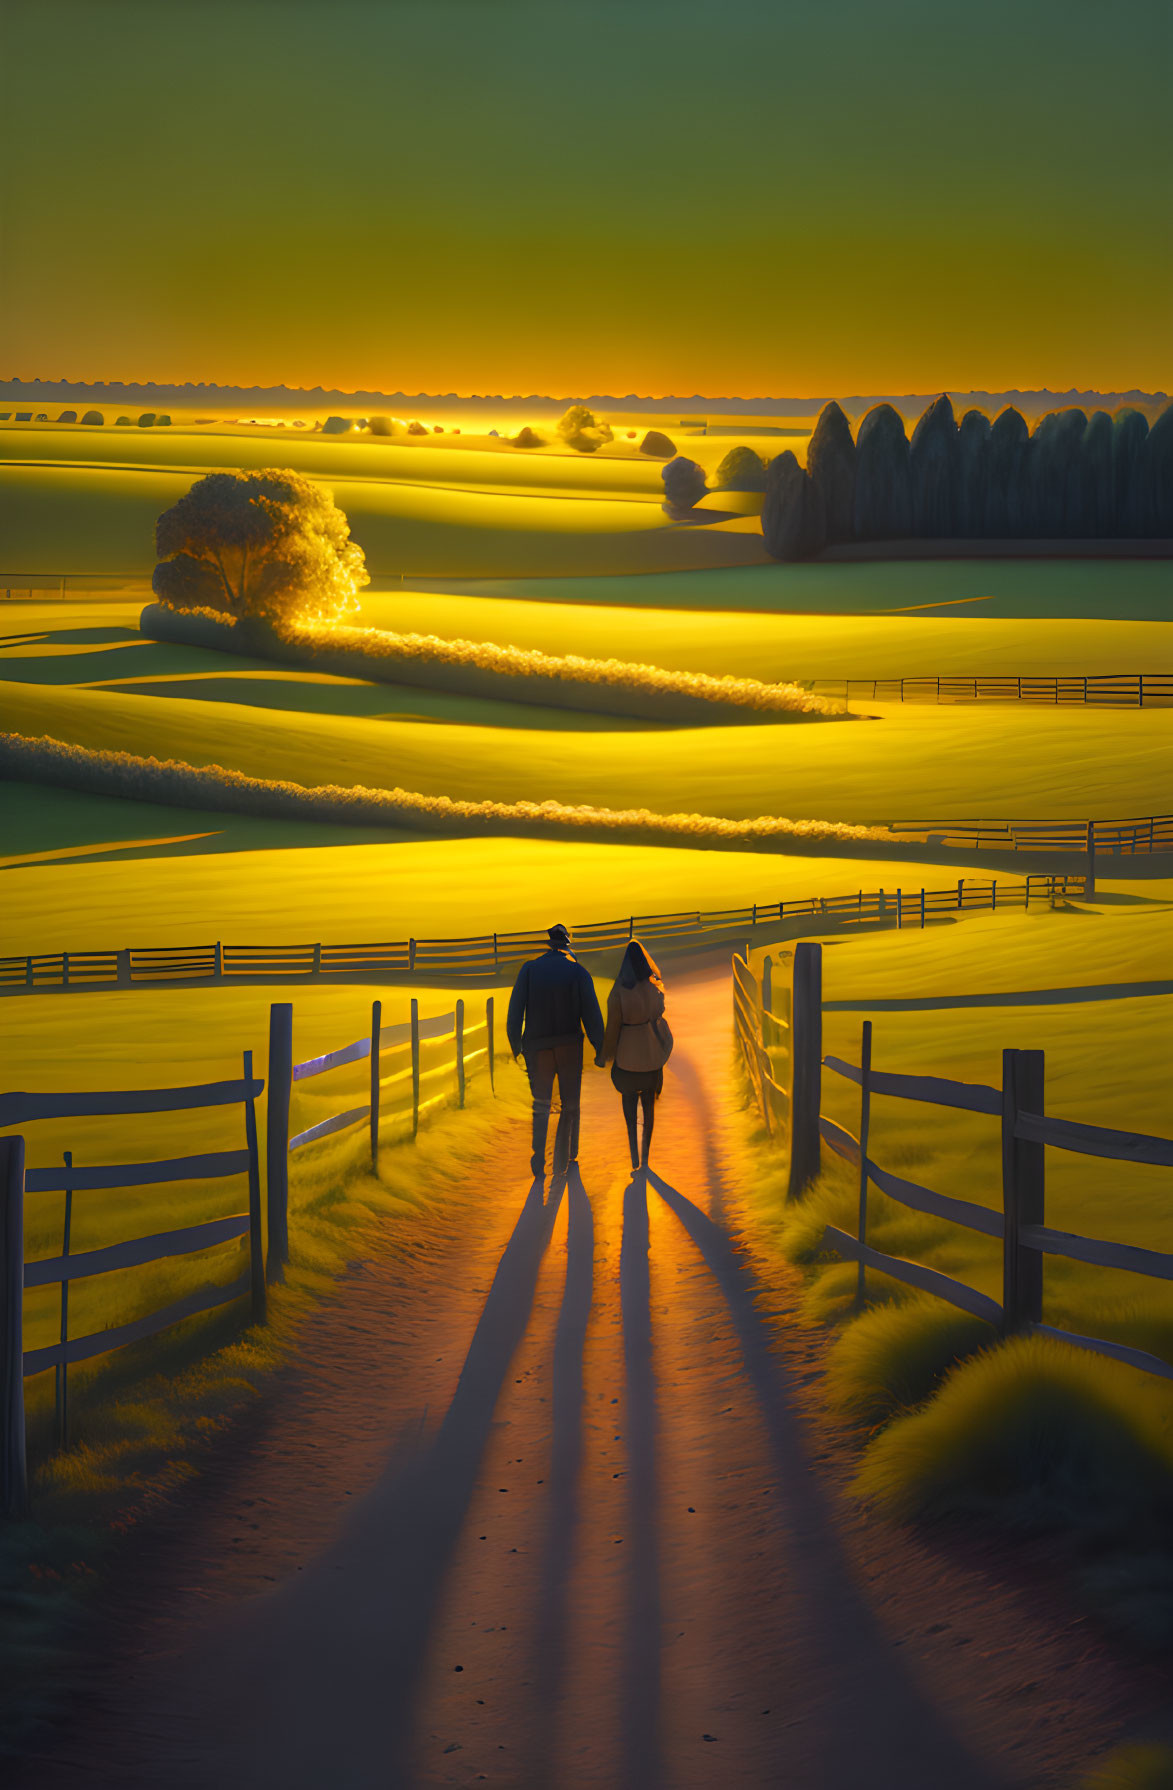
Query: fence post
[489, 1042]
[415, 1066]
[256, 1262]
[496, 957]
[767, 995]
[899, 909]
[1090, 884]
[13, 1476]
[960, 891]
[922, 910]
[65, 969]
[62, 1374]
[280, 1086]
[317, 969]
[806, 1043]
[460, 1053]
[1023, 1190]
[376, 1091]
[411, 955]
[865, 1113]
[218, 960]
[124, 969]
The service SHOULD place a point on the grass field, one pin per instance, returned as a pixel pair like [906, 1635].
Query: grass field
[1106, 1064]
[907, 762]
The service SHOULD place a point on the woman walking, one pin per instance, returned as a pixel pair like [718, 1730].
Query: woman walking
[637, 1043]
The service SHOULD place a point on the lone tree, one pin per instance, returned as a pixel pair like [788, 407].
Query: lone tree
[580, 428]
[269, 546]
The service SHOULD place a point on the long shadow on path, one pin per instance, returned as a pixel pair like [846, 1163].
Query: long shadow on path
[641, 1661]
[325, 1673]
[565, 1467]
[877, 1733]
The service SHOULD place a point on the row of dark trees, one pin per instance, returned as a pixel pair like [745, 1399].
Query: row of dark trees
[1077, 476]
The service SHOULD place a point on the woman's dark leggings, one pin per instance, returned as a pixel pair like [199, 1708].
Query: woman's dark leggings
[646, 1098]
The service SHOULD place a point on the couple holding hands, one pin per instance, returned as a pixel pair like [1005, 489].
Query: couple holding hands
[552, 1004]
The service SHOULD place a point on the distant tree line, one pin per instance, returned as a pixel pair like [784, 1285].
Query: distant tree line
[1076, 477]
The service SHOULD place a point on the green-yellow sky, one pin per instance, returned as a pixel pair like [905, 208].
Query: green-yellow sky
[781, 197]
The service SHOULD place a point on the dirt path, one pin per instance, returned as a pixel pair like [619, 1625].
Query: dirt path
[540, 1507]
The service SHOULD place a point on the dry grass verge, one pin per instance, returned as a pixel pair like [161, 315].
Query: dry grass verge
[480, 668]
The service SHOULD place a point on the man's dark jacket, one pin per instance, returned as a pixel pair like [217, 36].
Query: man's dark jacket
[553, 1002]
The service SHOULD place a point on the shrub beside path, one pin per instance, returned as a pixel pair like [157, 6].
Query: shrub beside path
[546, 1502]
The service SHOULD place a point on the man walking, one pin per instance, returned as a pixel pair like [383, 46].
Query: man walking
[552, 1003]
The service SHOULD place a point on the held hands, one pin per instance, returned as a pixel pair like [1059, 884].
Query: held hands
[600, 1060]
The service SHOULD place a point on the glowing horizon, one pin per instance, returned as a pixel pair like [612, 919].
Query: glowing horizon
[500, 197]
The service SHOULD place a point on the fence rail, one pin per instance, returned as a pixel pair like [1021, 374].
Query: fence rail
[1027, 1130]
[472, 1049]
[1119, 689]
[495, 954]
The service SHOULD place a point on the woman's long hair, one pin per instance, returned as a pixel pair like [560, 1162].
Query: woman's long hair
[638, 966]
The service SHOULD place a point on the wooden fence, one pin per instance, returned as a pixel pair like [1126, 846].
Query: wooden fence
[472, 1048]
[16, 1274]
[1027, 1131]
[1124, 689]
[500, 954]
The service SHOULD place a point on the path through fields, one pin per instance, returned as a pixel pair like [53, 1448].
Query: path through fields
[538, 1506]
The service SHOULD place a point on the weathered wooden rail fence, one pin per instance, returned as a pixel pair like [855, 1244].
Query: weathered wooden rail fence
[501, 953]
[459, 1049]
[784, 1061]
[1118, 689]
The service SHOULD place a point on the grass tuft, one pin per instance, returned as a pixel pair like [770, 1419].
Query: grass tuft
[1040, 1436]
[896, 1356]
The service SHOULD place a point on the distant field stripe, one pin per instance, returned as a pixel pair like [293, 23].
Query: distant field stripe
[50, 1270]
[19, 1108]
[211, 1166]
[83, 1348]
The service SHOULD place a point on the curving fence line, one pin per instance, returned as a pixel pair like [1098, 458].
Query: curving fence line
[793, 1056]
[411, 1089]
[500, 953]
[1124, 689]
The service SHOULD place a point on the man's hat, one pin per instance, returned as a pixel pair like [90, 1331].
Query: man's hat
[559, 934]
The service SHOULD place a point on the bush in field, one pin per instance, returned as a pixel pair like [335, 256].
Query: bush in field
[385, 425]
[93, 416]
[146, 419]
[527, 438]
[932, 466]
[46, 760]
[580, 428]
[162, 422]
[416, 428]
[655, 442]
[684, 483]
[793, 525]
[883, 493]
[973, 474]
[122, 422]
[830, 465]
[271, 545]
[336, 425]
[70, 416]
[742, 470]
